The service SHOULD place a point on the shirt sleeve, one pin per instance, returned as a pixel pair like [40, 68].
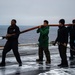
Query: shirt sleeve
[66, 36]
[45, 31]
[38, 30]
[56, 38]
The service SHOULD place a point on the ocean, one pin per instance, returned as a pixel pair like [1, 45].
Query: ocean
[28, 37]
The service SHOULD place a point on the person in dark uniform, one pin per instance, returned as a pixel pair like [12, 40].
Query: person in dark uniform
[71, 31]
[62, 39]
[43, 42]
[12, 43]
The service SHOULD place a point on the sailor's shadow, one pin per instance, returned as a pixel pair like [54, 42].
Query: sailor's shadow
[18, 71]
[44, 68]
[72, 64]
[3, 71]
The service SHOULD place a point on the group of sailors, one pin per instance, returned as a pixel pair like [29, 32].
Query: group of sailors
[63, 33]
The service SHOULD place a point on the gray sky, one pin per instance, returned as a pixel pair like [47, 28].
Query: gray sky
[33, 12]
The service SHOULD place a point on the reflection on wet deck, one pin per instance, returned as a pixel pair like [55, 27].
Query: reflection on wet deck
[30, 67]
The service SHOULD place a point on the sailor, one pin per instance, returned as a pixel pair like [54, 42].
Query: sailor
[71, 31]
[43, 43]
[12, 43]
[62, 39]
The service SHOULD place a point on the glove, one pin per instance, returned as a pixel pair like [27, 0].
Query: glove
[54, 43]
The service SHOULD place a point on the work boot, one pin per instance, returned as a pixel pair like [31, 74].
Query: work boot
[71, 58]
[48, 62]
[2, 64]
[63, 65]
[39, 61]
[66, 65]
[20, 64]
[59, 65]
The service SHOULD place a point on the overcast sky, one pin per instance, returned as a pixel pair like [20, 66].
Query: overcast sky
[33, 12]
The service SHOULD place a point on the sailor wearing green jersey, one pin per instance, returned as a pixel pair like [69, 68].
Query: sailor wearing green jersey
[43, 42]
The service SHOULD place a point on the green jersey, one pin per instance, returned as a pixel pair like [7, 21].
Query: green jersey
[43, 39]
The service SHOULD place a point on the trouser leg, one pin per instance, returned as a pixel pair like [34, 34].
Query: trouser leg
[16, 53]
[47, 54]
[62, 52]
[74, 49]
[72, 52]
[6, 49]
[40, 53]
